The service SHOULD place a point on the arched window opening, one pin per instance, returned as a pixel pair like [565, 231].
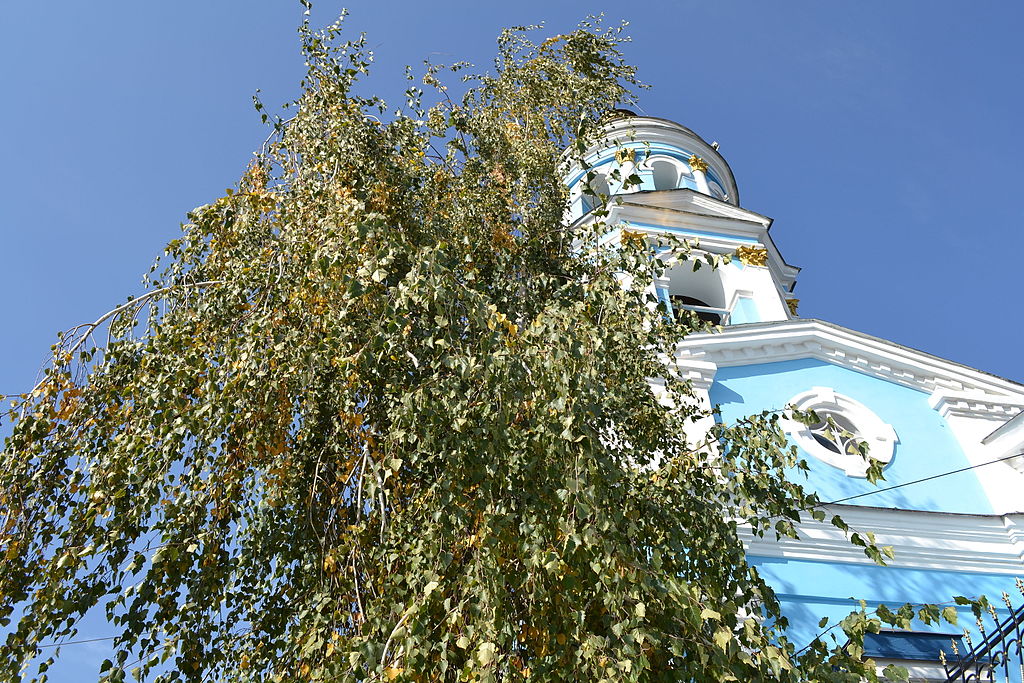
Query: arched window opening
[666, 175]
[699, 291]
[704, 312]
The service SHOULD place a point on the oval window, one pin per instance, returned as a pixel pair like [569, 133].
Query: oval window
[843, 431]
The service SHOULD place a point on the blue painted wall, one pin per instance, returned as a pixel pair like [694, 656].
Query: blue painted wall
[745, 311]
[812, 590]
[926, 445]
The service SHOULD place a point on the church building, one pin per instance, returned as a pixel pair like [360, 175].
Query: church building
[952, 502]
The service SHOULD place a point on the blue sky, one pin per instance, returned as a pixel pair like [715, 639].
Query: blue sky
[884, 138]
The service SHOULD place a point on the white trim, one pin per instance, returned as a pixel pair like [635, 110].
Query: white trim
[700, 374]
[740, 294]
[880, 436]
[635, 130]
[967, 404]
[1006, 440]
[918, 670]
[1012, 431]
[808, 338]
[992, 544]
[666, 211]
[731, 231]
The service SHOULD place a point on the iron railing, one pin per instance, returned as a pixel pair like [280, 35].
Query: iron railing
[711, 314]
[998, 656]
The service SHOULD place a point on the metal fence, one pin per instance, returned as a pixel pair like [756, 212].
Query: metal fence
[997, 655]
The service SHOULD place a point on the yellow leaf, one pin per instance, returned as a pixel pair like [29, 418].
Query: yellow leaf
[486, 653]
[722, 637]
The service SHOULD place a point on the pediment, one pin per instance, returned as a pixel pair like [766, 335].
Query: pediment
[701, 354]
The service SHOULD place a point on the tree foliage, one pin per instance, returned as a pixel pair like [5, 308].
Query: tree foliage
[382, 415]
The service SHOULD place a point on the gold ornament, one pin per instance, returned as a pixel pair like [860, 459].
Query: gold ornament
[631, 237]
[792, 303]
[752, 256]
[623, 156]
[697, 164]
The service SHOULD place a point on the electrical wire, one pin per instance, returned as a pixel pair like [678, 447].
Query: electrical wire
[832, 502]
[918, 481]
[77, 642]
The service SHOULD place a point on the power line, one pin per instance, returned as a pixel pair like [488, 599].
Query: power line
[77, 642]
[918, 481]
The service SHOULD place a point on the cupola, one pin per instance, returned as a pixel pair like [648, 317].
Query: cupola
[662, 153]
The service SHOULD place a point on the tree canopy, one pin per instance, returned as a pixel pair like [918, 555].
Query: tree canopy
[381, 414]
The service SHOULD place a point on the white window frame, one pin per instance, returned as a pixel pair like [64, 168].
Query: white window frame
[879, 436]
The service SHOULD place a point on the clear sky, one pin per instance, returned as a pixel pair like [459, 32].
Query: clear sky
[884, 138]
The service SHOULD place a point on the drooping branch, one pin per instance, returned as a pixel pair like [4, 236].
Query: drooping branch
[89, 328]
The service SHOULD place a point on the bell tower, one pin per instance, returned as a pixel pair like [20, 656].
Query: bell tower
[685, 189]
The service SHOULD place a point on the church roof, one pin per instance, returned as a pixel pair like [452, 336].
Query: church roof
[766, 342]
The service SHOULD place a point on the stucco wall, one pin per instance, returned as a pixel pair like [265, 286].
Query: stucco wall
[926, 446]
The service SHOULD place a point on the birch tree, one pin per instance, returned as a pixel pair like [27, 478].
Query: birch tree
[380, 414]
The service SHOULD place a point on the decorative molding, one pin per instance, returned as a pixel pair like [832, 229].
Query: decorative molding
[700, 374]
[1005, 440]
[697, 164]
[752, 256]
[792, 304]
[1009, 434]
[815, 339]
[992, 544]
[654, 135]
[971, 404]
[684, 210]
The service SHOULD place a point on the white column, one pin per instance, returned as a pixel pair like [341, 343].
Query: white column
[699, 166]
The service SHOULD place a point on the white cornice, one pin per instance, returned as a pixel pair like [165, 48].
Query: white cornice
[1012, 432]
[1005, 440]
[731, 231]
[992, 544]
[686, 218]
[806, 338]
[685, 199]
[699, 373]
[967, 404]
